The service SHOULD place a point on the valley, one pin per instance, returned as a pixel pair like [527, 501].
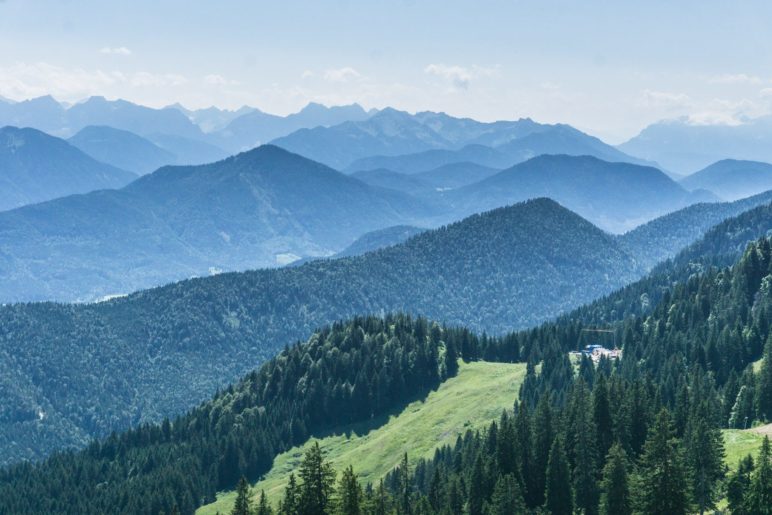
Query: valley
[385, 258]
[471, 400]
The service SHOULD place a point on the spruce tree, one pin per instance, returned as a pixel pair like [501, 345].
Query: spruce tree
[758, 499]
[318, 483]
[455, 501]
[737, 486]
[290, 504]
[542, 438]
[476, 497]
[615, 499]
[601, 412]
[583, 447]
[263, 508]
[662, 486]
[705, 458]
[558, 492]
[507, 497]
[405, 486]
[243, 504]
[349, 494]
[764, 384]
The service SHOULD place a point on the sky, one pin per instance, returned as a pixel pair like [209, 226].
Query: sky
[607, 67]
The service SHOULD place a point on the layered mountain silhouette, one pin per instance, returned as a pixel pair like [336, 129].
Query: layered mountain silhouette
[382, 238]
[269, 207]
[265, 207]
[663, 237]
[390, 134]
[731, 179]
[432, 159]
[122, 149]
[164, 350]
[35, 167]
[256, 127]
[211, 119]
[426, 184]
[684, 147]
[129, 151]
[614, 196]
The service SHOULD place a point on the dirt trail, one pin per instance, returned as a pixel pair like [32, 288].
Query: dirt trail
[763, 430]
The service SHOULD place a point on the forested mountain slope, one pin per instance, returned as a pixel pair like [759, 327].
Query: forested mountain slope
[642, 433]
[260, 208]
[614, 196]
[683, 375]
[349, 372]
[35, 167]
[663, 237]
[721, 246]
[411, 143]
[162, 350]
[121, 149]
[732, 179]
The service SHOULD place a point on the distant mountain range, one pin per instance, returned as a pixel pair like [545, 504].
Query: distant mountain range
[391, 133]
[262, 208]
[425, 184]
[228, 132]
[268, 207]
[256, 127]
[663, 237]
[372, 241]
[684, 147]
[158, 352]
[129, 151]
[212, 119]
[35, 167]
[122, 149]
[614, 196]
[433, 159]
[163, 350]
[731, 179]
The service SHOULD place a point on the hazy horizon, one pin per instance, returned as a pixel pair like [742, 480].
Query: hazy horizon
[604, 68]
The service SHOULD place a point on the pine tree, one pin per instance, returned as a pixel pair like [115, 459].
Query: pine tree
[476, 487]
[615, 499]
[558, 492]
[263, 508]
[405, 486]
[758, 499]
[243, 504]
[542, 437]
[602, 417]
[507, 497]
[435, 493]
[583, 447]
[290, 504]
[737, 486]
[662, 483]
[764, 385]
[318, 483]
[455, 502]
[349, 494]
[705, 457]
[450, 360]
[381, 505]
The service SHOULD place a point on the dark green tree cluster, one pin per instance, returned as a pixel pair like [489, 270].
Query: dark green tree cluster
[607, 437]
[346, 372]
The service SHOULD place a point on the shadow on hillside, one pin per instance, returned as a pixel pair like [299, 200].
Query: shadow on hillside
[362, 428]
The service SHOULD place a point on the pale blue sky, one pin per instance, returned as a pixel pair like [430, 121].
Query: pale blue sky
[606, 67]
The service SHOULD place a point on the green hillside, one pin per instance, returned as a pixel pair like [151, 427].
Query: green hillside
[738, 443]
[474, 398]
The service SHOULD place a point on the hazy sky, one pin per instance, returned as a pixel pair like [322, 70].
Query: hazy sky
[609, 67]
